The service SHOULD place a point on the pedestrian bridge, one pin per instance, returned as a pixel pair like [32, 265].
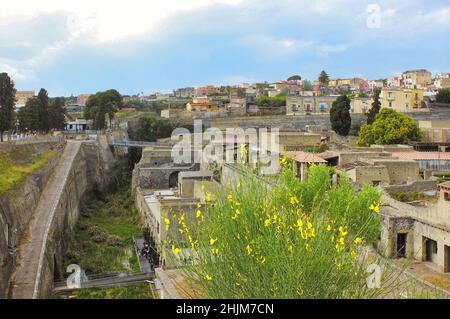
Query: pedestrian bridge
[130, 143]
[106, 281]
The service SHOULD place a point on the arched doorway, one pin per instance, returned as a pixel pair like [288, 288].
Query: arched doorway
[173, 179]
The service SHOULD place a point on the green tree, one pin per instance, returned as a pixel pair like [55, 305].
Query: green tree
[376, 106]
[443, 96]
[29, 115]
[7, 102]
[151, 128]
[43, 114]
[389, 127]
[340, 118]
[307, 86]
[57, 118]
[276, 101]
[103, 104]
[113, 101]
[295, 78]
[324, 79]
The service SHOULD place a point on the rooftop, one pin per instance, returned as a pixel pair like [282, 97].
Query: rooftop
[421, 156]
[445, 184]
[304, 157]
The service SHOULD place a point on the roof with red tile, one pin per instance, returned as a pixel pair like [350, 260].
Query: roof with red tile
[304, 157]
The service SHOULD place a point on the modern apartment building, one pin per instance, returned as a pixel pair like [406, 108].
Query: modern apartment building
[206, 90]
[361, 105]
[184, 92]
[416, 78]
[202, 104]
[403, 100]
[298, 105]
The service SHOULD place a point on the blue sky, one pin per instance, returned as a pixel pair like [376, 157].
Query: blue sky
[73, 47]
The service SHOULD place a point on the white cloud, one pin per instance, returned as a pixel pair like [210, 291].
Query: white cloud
[92, 22]
[281, 46]
[273, 28]
[18, 74]
[324, 50]
[110, 20]
[277, 45]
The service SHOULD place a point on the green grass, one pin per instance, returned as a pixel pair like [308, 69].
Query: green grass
[136, 291]
[318, 149]
[13, 170]
[102, 241]
[412, 196]
[443, 177]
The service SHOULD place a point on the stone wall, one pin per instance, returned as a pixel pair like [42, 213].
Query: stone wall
[369, 175]
[299, 122]
[91, 168]
[160, 177]
[430, 223]
[16, 208]
[400, 171]
[416, 186]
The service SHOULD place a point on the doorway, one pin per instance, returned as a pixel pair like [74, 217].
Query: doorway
[401, 245]
[430, 250]
[173, 180]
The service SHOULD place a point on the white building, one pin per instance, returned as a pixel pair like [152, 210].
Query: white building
[79, 125]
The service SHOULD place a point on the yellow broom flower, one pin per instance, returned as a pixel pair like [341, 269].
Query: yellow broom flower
[175, 250]
[212, 241]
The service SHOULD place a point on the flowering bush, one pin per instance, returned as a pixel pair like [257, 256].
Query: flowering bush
[291, 239]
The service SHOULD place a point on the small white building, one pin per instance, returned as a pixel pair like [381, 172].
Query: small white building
[79, 125]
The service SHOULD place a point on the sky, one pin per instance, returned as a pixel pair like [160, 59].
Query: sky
[134, 46]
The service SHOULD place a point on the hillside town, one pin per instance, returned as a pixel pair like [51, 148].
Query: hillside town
[410, 172]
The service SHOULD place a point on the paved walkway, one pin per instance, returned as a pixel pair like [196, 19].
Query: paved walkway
[428, 272]
[26, 278]
[144, 264]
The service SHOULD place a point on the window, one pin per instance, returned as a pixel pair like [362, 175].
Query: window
[390, 104]
[323, 107]
[447, 196]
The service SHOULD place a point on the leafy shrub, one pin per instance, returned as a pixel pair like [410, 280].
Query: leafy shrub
[389, 127]
[288, 240]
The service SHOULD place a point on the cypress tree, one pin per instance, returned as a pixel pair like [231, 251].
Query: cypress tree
[7, 103]
[376, 106]
[340, 118]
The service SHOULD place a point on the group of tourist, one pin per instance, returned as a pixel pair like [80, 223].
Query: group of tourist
[148, 253]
